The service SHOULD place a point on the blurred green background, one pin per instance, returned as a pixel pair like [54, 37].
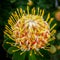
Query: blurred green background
[52, 6]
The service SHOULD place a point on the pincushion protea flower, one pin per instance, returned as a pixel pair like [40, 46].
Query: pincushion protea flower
[29, 31]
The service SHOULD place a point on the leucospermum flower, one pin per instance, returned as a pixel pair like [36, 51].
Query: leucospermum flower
[29, 31]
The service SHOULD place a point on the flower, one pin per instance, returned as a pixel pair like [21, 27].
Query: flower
[57, 15]
[30, 3]
[29, 31]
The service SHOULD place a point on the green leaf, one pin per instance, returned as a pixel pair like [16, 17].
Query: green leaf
[17, 56]
[32, 56]
[11, 50]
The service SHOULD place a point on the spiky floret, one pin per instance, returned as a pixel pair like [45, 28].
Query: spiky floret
[29, 31]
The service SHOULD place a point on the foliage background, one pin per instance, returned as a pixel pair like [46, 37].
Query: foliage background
[8, 6]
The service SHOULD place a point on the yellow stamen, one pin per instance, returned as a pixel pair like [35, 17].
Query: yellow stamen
[48, 17]
[12, 19]
[42, 13]
[33, 11]
[10, 43]
[10, 22]
[21, 11]
[6, 27]
[51, 21]
[38, 30]
[22, 53]
[53, 38]
[15, 50]
[8, 31]
[14, 16]
[24, 12]
[18, 12]
[40, 53]
[18, 47]
[53, 32]
[8, 35]
[28, 9]
[53, 26]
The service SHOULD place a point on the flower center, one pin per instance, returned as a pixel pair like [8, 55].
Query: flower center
[31, 33]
